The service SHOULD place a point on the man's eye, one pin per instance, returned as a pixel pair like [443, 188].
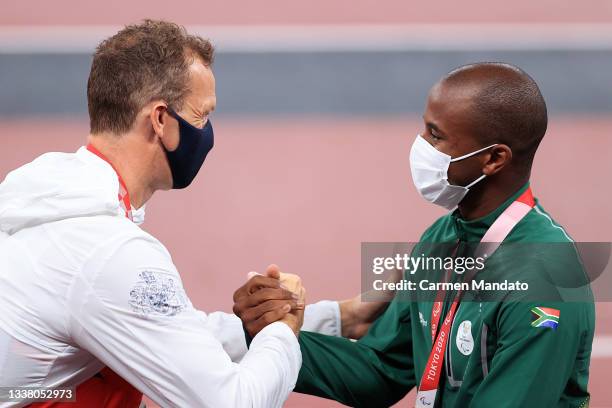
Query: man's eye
[435, 138]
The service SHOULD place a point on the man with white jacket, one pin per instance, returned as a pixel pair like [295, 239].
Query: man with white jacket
[83, 287]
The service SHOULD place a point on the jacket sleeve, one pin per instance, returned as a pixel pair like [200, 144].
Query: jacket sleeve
[539, 366]
[130, 311]
[376, 371]
[322, 317]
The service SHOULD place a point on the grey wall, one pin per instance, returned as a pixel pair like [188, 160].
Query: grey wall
[318, 82]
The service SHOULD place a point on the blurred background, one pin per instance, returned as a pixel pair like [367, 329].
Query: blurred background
[318, 104]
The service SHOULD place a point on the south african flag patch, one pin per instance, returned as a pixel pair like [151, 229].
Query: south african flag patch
[545, 317]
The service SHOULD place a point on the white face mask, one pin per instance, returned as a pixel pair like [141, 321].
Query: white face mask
[429, 168]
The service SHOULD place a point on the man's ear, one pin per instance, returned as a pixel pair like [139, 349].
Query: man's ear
[499, 157]
[159, 119]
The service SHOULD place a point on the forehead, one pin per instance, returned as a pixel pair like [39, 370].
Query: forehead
[450, 107]
[202, 79]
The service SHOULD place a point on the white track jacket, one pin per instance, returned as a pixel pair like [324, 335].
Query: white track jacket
[83, 287]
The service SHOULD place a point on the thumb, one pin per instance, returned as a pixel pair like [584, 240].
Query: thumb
[273, 271]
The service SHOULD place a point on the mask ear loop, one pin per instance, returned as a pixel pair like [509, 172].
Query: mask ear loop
[173, 113]
[465, 156]
[479, 179]
[473, 183]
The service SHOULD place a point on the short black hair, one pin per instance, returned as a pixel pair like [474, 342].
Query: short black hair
[507, 108]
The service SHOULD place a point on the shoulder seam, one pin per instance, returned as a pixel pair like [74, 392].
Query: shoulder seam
[552, 223]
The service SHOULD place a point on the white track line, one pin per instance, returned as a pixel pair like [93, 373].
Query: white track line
[334, 38]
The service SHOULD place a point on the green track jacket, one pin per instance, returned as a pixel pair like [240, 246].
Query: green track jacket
[509, 362]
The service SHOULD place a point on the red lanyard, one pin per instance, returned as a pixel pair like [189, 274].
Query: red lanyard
[500, 229]
[436, 310]
[123, 195]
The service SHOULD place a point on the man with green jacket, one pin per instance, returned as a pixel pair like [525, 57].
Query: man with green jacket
[483, 124]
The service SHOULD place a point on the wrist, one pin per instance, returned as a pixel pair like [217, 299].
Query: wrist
[347, 317]
[292, 323]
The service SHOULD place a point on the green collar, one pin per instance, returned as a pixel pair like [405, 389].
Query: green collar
[474, 230]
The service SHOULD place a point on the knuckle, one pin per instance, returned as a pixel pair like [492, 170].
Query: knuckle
[239, 293]
[276, 305]
[247, 316]
[237, 310]
[267, 294]
[259, 297]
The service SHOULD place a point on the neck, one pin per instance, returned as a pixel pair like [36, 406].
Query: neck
[486, 197]
[133, 169]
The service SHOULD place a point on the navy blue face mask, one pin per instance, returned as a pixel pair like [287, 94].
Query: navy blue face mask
[187, 159]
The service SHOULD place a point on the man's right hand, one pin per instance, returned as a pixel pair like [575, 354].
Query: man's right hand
[266, 299]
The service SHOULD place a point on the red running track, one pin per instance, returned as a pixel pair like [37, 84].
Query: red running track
[304, 193]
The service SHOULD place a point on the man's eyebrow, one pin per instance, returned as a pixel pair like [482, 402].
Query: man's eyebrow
[433, 126]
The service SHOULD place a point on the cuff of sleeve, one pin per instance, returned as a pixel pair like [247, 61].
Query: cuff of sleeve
[284, 333]
[277, 329]
[337, 319]
[324, 318]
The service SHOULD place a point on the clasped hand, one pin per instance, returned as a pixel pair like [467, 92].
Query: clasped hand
[265, 299]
